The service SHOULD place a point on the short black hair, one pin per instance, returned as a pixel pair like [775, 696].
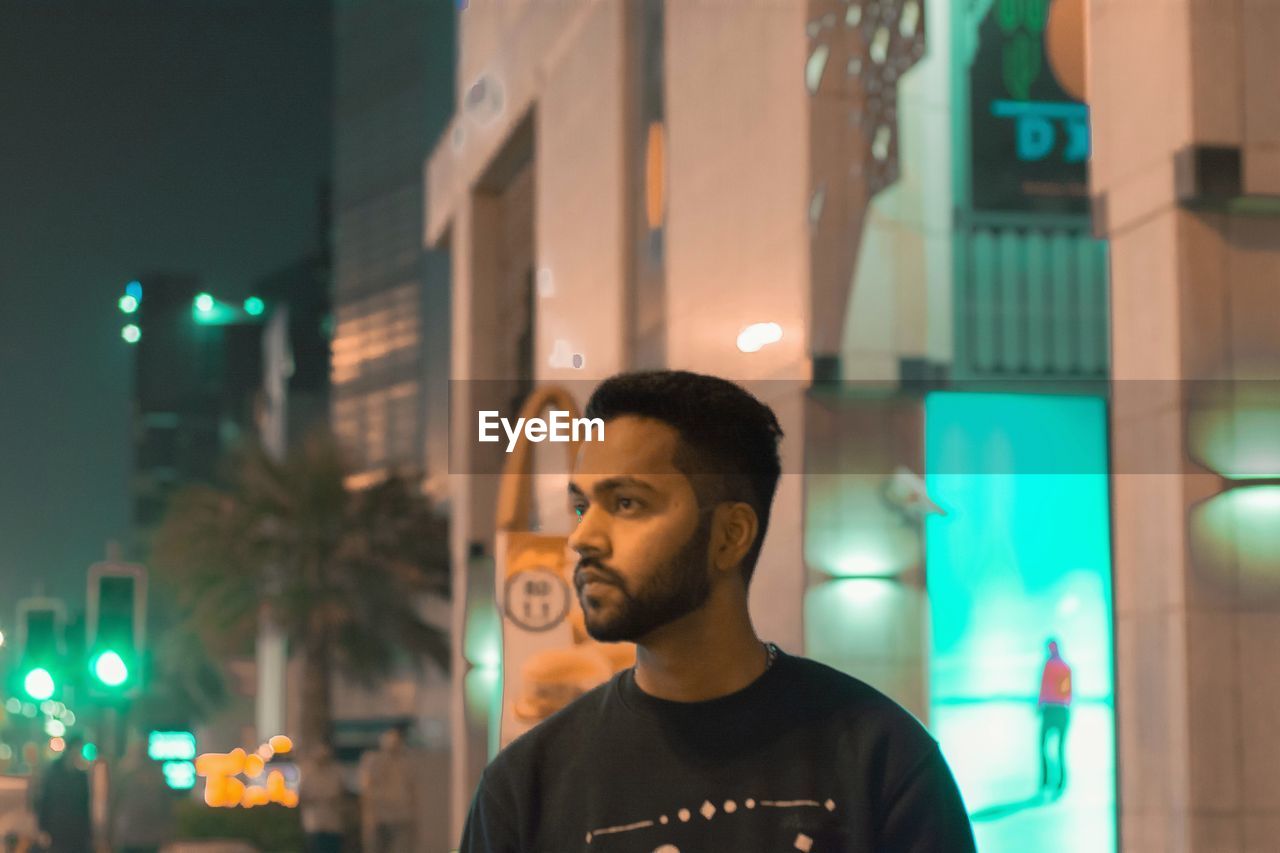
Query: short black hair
[727, 436]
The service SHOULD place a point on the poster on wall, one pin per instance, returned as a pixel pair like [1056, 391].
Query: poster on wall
[548, 658]
[1029, 125]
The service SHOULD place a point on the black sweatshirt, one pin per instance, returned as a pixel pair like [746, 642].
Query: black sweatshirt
[804, 759]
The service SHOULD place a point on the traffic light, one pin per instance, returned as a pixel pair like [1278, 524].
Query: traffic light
[41, 648]
[116, 627]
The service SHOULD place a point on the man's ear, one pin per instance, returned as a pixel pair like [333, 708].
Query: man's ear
[736, 526]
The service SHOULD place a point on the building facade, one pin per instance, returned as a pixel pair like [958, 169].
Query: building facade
[393, 91]
[962, 238]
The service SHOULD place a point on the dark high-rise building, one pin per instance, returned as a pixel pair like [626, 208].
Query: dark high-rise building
[394, 93]
[203, 372]
[194, 387]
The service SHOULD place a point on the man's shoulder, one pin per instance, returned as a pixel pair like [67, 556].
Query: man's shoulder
[864, 711]
[550, 736]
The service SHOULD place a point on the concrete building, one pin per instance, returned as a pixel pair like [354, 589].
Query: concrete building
[907, 190]
[1188, 198]
[393, 91]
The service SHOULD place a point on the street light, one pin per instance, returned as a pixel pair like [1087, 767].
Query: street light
[38, 684]
[110, 669]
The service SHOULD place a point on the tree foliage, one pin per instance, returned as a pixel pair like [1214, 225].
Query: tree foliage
[344, 572]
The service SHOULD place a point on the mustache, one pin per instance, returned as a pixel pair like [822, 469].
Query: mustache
[589, 570]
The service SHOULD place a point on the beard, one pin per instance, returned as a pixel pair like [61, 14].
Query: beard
[677, 589]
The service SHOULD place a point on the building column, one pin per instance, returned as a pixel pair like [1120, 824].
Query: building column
[1185, 175]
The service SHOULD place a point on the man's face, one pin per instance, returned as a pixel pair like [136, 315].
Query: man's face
[641, 539]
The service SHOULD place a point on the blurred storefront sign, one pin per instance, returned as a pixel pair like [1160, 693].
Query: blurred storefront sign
[1029, 128]
[548, 660]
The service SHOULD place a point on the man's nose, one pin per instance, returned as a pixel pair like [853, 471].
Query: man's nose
[589, 537]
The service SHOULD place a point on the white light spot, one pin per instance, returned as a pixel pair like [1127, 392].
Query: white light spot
[880, 46]
[730, 807]
[815, 66]
[546, 283]
[804, 843]
[880, 146]
[667, 848]
[751, 804]
[588, 838]
[815, 204]
[664, 819]
[758, 335]
[831, 805]
[853, 16]
[561, 354]
[910, 18]
[684, 815]
[707, 810]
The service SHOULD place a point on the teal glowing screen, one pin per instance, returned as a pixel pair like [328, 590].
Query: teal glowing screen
[1022, 556]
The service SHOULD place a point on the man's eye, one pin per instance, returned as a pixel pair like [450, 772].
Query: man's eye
[626, 504]
[578, 511]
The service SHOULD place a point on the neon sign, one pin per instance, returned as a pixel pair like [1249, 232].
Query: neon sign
[239, 779]
[1037, 135]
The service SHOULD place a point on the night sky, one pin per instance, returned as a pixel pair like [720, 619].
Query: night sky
[135, 135]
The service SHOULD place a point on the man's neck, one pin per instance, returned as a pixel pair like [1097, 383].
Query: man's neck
[699, 657]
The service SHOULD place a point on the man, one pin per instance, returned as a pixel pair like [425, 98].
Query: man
[714, 741]
[320, 800]
[142, 803]
[388, 798]
[63, 811]
[1055, 713]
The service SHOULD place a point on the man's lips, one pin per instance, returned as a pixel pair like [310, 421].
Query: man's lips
[583, 578]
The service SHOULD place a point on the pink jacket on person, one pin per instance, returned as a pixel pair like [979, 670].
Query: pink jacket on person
[1055, 683]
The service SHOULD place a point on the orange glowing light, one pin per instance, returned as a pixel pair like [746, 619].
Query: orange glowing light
[253, 766]
[655, 176]
[281, 744]
[223, 790]
[57, 744]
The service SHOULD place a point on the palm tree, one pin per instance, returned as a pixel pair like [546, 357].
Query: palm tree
[343, 572]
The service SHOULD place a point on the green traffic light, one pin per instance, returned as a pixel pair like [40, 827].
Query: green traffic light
[253, 306]
[204, 303]
[38, 684]
[128, 304]
[110, 669]
[89, 752]
[131, 333]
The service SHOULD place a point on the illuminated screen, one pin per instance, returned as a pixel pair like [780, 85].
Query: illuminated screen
[1022, 556]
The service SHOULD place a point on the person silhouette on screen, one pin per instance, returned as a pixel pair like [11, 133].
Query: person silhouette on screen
[1055, 713]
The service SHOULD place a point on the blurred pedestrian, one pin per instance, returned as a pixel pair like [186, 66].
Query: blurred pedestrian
[142, 818]
[1055, 714]
[388, 785]
[63, 811]
[320, 799]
